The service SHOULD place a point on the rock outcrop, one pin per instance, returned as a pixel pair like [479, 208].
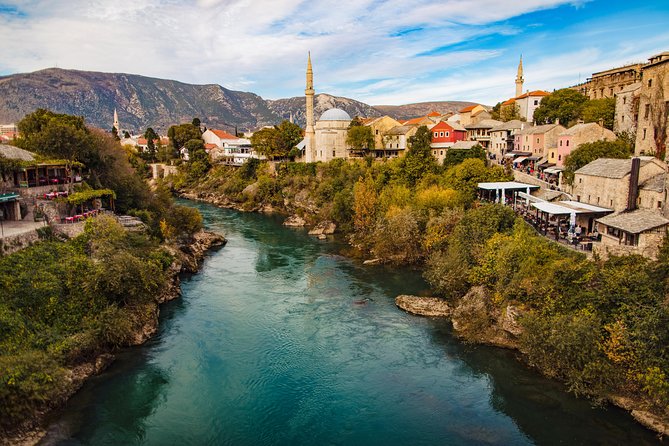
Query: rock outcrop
[323, 228]
[423, 306]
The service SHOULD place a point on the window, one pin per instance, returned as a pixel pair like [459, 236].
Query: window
[441, 152]
[560, 143]
[611, 203]
[646, 111]
[625, 100]
[659, 204]
[559, 157]
[644, 134]
[567, 143]
[650, 83]
[536, 102]
[441, 134]
[578, 198]
[333, 154]
[622, 118]
[436, 134]
[447, 134]
[597, 200]
[537, 140]
[580, 180]
[377, 131]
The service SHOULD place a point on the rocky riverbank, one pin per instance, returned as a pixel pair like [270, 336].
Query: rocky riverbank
[475, 320]
[144, 321]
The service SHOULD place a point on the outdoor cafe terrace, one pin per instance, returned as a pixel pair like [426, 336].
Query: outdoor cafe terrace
[569, 222]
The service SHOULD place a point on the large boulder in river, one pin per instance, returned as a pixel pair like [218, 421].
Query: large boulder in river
[295, 221]
[323, 228]
[423, 306]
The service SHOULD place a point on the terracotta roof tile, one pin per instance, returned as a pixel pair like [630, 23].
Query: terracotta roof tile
[223, 134]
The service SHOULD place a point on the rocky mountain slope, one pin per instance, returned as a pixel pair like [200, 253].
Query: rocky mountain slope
[143, 102]
[408, 111]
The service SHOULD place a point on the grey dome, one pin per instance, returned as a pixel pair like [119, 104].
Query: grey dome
[335, 114]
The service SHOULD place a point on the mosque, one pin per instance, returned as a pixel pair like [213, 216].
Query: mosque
[326, 139]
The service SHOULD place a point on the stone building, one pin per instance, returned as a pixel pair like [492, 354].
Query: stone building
[473, 114]
[607, 83]
[653, 105]
[580, 134]
[396, 140]
[606, 182]
[502, 137]
[380, 127]
[627, 109]
[635, 232]
[480, 131]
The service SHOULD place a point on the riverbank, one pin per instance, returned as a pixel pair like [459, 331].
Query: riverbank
[598, 326]
[474, 321]
[141, 321]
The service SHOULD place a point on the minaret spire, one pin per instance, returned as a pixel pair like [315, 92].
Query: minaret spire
[310, 134]
[519, 78]
[116, 124]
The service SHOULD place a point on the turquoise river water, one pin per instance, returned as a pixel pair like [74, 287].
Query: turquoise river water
[279, 340]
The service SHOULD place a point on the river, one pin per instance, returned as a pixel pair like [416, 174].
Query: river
[279, 340]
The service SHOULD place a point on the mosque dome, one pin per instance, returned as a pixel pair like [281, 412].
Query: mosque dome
[335, 114]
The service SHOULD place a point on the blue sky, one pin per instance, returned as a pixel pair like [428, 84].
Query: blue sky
[376, 51]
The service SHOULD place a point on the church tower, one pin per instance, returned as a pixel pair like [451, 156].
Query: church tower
[310, 134]
[116, 124]
[519, 78]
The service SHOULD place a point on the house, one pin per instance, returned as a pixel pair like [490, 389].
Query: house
[607, 83]
[444, 135]
[224, 147]
[219, 137]
[480, 131]
[468, 114]
[502, 138]
[537, 140]
[380, 127]
[396, 140]
[575, 136]
[653, 105]
[639, 231]
[610, 183]
[528, 102]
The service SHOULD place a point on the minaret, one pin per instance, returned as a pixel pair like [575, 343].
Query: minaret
[116, 124]
[309, 134]
[519, 78]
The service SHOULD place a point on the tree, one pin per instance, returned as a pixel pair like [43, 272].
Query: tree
[180, 134]
[360, 137]
[456, 156]
[596, 110]
[126, 134]
[509, 112]
[277, 142]
[659, 114]
[419, 160]
[495, 112]
[565, 104]
[588, 152]
[196, 122]
[151, 136]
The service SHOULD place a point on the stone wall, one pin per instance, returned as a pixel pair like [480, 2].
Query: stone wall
[14, 243]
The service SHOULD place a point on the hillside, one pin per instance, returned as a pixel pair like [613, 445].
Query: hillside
[143, 102]
[422, 108]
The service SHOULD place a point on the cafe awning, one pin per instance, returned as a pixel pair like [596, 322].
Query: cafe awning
[520, 159]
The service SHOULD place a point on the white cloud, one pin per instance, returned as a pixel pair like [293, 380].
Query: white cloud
[374, 50]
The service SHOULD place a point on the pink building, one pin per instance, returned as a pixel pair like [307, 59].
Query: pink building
[580, 134]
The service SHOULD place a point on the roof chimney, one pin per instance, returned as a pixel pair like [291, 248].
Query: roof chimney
[634, 184]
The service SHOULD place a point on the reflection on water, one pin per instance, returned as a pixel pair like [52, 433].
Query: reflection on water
[280, 340]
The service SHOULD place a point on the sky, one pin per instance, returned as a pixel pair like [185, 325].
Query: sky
[388, 52]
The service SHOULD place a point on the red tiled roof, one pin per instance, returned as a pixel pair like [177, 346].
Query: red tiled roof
[223, 134]
[415, 121]
[533, 93]
[210, 146]
[433, 114]
[468, 109]
[509, 102]
[402, 121]
[141, 141]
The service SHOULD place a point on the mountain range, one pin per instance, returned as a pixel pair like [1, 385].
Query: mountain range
[143, 102]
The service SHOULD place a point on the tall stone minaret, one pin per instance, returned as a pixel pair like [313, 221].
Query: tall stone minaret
[520, 78]
[310, 134]
[116, 124]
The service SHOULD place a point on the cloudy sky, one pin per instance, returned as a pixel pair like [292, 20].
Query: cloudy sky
[376, 51]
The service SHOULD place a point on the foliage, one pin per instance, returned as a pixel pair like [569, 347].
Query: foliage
[360, 137]
[277, 142]
[397, 236]
[418, 160]
[456, 156]
[465, 177]
[596, 110]
[509, 112]
[565, 104]
[588, 152]
[83, 196]
[180, 134]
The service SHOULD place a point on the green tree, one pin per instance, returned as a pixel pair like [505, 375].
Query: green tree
[596, 110]
[277, 142]
[126, 134]
[588, 152]
[509, 112]
[565, 104]
[180, 134]
[495, 112]
[418, 160]
[456, 156]
[151, 137]
[196, 122]
[360, 137]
